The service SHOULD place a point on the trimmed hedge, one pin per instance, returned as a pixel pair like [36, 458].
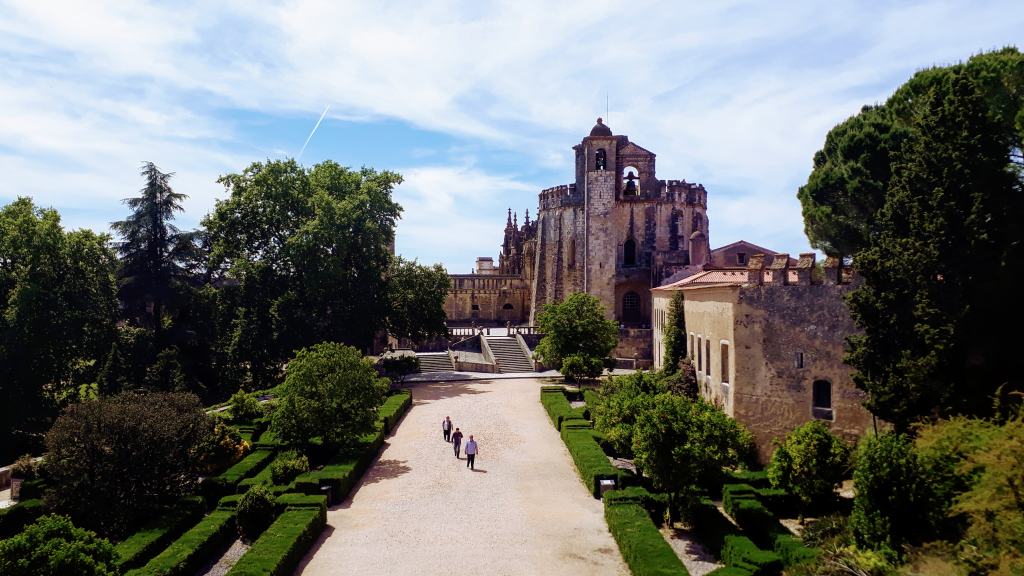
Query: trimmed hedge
[13, 519]
[343, 470]
[195, 547]
[793, 551]
[290, 501]
[246, 467]
[730, 571]
[756, 479]
[741, 551]
[393, 409]
[654, 503]
[642, 545]
[268, 441]
[138, 548]
[591, 462]
[281, 546]
[557, 405]
[711, 526]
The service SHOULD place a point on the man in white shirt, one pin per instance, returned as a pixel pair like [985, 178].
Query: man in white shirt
[471, 450]
[446, 428]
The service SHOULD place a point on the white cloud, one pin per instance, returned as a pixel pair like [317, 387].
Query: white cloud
[738, 93]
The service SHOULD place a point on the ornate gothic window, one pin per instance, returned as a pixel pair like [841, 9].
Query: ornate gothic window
[631, 307]
[629, 253]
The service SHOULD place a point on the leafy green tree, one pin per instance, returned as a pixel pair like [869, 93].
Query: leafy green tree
[53, 546]
[416, 296]
[125, 365]
[577, 367]
[675, 333]
[622, 399]
[684, 444]
[57, 315]
[166, 374]
[245, 407]
[810, 463]
[114, 461]
[311, 250]
[952, 210]
[330, 392]
[151, 249]
[576, 326]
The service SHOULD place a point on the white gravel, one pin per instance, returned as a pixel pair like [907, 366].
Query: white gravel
[420, 511]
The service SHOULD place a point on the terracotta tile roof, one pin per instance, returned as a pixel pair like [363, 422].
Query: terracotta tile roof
[706, 278]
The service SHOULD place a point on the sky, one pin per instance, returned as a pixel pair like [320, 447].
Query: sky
[476, 104]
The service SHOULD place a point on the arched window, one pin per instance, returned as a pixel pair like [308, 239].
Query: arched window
[631, 307]
[506, 307]
[631, 181]
[601, 160]
[629, 253]
[821, 400]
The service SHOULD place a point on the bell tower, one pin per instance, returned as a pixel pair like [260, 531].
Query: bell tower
[597, 174]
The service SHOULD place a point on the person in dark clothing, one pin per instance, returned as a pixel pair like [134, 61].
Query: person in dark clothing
[457, 442]
[446, 428]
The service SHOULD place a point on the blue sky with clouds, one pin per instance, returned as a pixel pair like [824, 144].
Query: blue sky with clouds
[477, 104]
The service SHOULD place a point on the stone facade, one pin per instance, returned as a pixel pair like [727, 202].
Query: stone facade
[615, 232]
[768, 346]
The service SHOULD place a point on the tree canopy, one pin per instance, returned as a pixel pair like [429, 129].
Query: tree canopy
[576, 326]
[57, 315]
[330, 392]
[926, 192]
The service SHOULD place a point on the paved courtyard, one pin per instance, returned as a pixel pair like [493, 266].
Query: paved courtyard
[420, 511]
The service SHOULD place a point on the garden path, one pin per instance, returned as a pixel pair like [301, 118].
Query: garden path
[420, 511]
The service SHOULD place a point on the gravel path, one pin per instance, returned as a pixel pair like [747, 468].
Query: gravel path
[420, 511]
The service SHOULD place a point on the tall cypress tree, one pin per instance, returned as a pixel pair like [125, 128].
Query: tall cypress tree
[675, 333]
[151, 249]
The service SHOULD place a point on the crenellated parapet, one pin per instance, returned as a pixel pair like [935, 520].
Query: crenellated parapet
[557, 196]
[780, 270]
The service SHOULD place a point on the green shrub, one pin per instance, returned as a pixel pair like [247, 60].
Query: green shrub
[394, 407]
[557, 406]
[892, 496]
[245, 407]
[577, 367]
[590, 460]
[53, 546]
[642, 545]
[138, 548]
[32, 489]
[194, 548]
[343, 470]
[287, 466]
[730, 571]
[710, 525]
[255, 512]
[246, 467]
[293, 500]
[754, 478]
[221, 448]
[13, 519]
[278, 551]
[655, 504]
[621, 401]
[742, 552]
[793, 551]
[810, 463]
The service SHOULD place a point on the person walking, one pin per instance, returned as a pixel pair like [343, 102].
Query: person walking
[457, 442]
[446, 428]
[471, 451]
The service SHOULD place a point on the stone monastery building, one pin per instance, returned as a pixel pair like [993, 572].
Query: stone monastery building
[764, 335]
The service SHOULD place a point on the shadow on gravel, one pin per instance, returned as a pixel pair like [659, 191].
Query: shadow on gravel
[481, 470]
[385, 470]
[440, 390]
[328, 530]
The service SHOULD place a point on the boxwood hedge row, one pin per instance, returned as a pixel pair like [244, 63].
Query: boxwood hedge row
[591, 462]
[194, 548]
[393, 409]
[281, 546]
[13, 519]
[141, 546]
[557, 406]
[642, 545]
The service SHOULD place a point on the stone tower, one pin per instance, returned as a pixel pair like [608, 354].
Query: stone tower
[616, 231]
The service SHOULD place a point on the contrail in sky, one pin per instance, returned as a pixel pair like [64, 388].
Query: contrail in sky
[310, 137]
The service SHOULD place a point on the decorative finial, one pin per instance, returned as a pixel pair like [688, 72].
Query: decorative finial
[600, 120]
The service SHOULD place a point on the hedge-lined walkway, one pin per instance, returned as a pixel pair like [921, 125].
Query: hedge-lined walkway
[419, 511]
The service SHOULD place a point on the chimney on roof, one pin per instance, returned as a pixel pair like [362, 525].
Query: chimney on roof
[833, 270]
[805, 268]
[755, 270]
[780, 270]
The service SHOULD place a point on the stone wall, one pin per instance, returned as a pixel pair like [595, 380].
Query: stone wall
[497, 299]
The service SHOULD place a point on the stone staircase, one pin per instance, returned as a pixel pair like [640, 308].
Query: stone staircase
[435, 362]
[509, 355]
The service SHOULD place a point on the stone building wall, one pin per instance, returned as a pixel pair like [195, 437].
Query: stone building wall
[781, 333]
[487, 299]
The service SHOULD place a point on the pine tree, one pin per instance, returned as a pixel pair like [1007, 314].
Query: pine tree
[675, 333]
